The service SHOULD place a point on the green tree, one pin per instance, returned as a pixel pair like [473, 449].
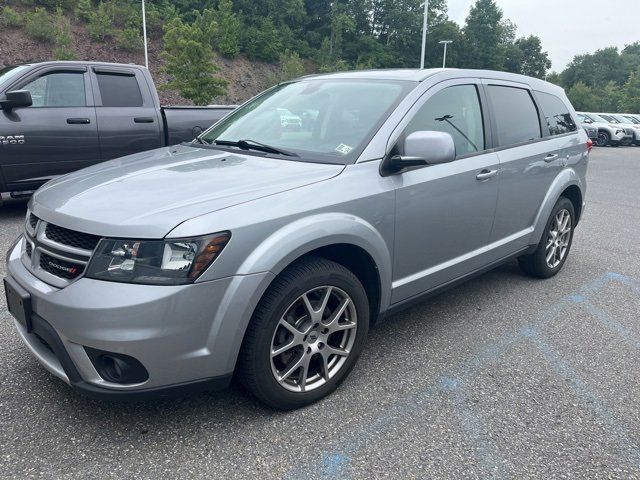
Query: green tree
[84, 10]
[485, 35]
[188, 61]
[631, 94]
[229, 28]
[262, 41]
[525, 56]
[64, 49]
[583, 97]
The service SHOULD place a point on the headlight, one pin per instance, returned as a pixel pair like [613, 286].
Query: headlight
[156, 262]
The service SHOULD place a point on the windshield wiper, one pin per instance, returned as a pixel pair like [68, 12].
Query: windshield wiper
[253, 145]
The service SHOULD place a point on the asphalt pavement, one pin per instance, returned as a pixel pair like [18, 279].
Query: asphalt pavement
[502, 377]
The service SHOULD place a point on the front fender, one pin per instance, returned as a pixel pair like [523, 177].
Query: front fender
[304, 235]
[565, 179]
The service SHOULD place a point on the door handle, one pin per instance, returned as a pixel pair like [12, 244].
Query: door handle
[551, 157]
[486, 174]
[78, 121]
[143, 120]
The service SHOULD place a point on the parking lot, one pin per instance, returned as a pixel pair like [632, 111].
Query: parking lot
[502, 377]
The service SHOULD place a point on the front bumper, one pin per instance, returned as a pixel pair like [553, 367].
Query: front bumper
[185, 336]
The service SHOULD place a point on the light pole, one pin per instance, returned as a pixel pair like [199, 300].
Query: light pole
[424, 33]
[444, 59]
[144, 34]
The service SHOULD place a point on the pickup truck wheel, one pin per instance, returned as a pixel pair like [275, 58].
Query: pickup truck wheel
[554, 247]
[305, 335]
[603, 139]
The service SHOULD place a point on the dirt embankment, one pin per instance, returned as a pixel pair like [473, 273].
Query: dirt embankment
[246, 78]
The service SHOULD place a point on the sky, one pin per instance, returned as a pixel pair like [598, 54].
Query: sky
[567, 27]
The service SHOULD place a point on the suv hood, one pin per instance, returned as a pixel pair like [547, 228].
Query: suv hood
[148, 194]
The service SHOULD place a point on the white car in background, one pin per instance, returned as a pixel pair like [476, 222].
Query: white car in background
[609, 133]
[629, 127]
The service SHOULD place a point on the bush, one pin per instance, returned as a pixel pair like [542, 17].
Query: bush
[64, 49]
[9, 18]
[188, 60]
[130, 39]
[84, 10]
[100, 24]
[40, 25]
[262, 41]
[229, 28]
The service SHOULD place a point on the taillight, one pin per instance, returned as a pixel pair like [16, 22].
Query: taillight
[589, 145]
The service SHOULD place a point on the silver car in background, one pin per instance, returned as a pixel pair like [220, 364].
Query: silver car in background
[269, 253]
[609, 133]
[630, 127]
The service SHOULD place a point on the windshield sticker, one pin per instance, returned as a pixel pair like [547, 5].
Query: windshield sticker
[344, 149]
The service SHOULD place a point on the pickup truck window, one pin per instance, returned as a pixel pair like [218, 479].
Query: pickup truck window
[58, 89]
[119, 90]
[8, 72]
[557, 114]
[456, 111]
[516, 115]
[319, 120]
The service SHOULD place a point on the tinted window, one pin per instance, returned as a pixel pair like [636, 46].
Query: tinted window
[516, 115]
[62, 89]
[556, 113]
[119, 90]
[456, 111]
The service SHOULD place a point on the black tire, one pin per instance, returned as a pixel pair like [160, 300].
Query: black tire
[604, 139]
[536, 264]
[255, 364]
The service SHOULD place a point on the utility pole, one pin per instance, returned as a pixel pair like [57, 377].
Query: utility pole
[444, 59]
[144, 34]
[424, 33]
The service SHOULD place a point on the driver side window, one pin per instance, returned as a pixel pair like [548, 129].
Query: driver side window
[456, 111]
[58, 89]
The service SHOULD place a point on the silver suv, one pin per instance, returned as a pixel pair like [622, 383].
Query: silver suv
[270, 252]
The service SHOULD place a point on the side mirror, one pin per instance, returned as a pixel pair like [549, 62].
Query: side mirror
[16, 99]
[424, 148]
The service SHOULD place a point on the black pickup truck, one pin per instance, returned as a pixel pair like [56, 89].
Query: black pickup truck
[58, 117]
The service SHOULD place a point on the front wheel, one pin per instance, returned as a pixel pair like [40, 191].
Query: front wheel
[603, 139]
[553, 249]
[305, 335]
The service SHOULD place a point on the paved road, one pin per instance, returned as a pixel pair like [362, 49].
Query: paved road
[503, 377]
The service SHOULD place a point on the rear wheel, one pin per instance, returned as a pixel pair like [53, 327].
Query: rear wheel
[306, 334]
[603, 139]
[553, 249]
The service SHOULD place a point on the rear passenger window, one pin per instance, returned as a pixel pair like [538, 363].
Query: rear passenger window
[556, 113]
[119, 90]
[516, 115]
[456, 111]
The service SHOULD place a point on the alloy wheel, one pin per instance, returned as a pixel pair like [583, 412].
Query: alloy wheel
[313, 339]
[559, 238]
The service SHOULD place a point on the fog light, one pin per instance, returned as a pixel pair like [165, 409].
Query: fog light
[117, 367]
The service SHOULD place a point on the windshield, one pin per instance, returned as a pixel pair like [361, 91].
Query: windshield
[633, 119]
[609, 118]
[596, 118]
[319, 120]
[8, 72]
[619, 119]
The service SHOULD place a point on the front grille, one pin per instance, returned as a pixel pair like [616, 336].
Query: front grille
[71, 238]
[29, 249]
[33, 221]
[60, 268]
[628, 131]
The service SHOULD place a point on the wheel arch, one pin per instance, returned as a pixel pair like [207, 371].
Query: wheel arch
[567, 184]
[345, 239]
